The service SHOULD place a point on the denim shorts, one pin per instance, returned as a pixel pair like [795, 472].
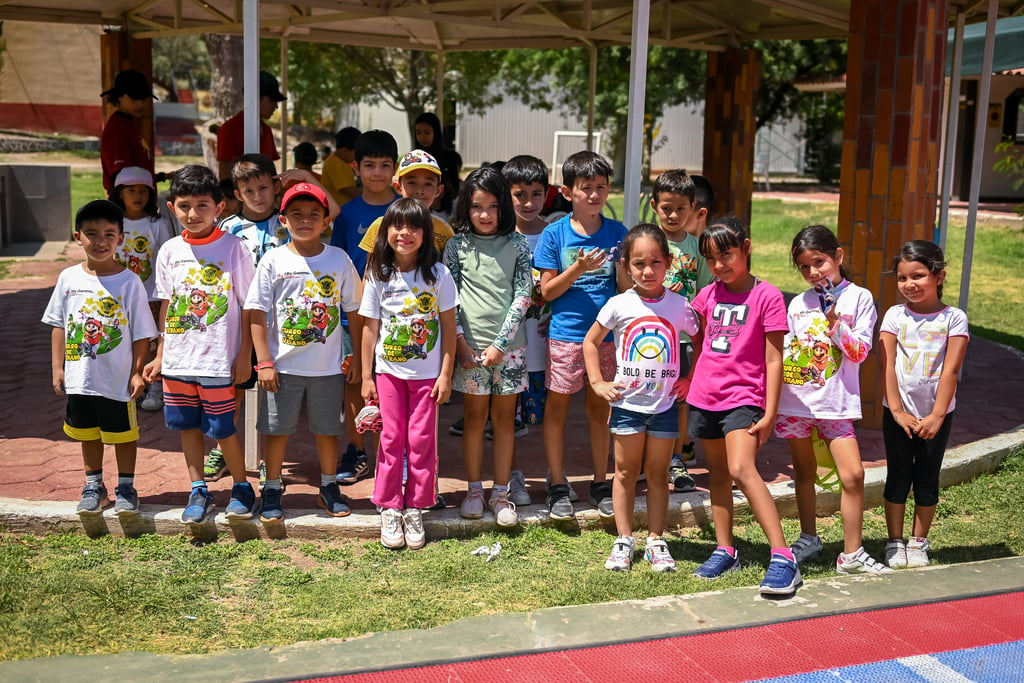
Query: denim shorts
[663, 425]
[715, 424]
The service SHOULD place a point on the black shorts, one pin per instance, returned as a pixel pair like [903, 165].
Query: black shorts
[89, 418]
[251, 382]
[715, 424]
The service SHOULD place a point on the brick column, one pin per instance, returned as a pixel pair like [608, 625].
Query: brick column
[888, 181]
[119, 51]
[730, 128]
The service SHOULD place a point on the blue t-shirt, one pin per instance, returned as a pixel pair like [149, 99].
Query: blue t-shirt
[351, 224]
[573, 313]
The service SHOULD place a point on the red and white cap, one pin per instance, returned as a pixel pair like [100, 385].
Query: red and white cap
[304, 190]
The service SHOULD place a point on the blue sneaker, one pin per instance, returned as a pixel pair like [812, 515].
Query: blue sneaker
[200, 502]
[270, 505]
[353, 467]
[719, 563]
[331, 500]
[783, 577]
[243, 501]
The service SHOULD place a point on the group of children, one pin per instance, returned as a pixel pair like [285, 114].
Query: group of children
[399, 309]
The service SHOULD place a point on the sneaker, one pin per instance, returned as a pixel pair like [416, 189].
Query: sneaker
[154, 398]
[439, 503]
[369, 419]
[215, 466]
[658, 555]
[473, 505]
[520, 430]
[680, 477]
[517, 492]
[353, 467]
[504, 510]
[621, 557]
[126, 499]
[896, 554]
[270, 506]
[331, 500]
[917, 552]
[688, 454]
[782, 578]
[243, 501]
[601, 498]
[719, 563]
[806, 548]
[573, 496]
[415, 537]
[94, 499]
[558, 502]
[200, 502]
[456, 427]
[862, 563]
[391, 533]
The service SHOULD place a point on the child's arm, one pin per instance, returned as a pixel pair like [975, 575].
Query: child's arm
[151, 372]
[522, 291]
[928, 426]
[371, 330]
[854, 342]
[554, 284]
[609, 391]
[762, 429]
[240, 369]
[355, 365]
[136, 384]
[892, 389]
[266, 376]
[57, 344]
[443, 386]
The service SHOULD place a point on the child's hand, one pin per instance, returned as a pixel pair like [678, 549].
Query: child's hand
[491, 357]
[298, 175]
[465, 355]
[441, 390]
[241, 369]
[266, 379]
[369, 391]
[591, 260]
[58, 381]
[615, 253]
[762, 429]
[151, 372]
[680, 389]
[352, 368]
[906, 421]
[827, 299]
[928, 427]
[136, 385]
[609, 391]
[675, 287]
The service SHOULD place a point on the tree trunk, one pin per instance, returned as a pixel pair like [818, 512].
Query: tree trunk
[226, 73]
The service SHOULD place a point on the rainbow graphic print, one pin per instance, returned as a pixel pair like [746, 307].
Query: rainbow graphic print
[649, 356]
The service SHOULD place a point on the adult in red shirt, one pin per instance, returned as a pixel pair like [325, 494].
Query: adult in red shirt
[122, 144]
[231, 134]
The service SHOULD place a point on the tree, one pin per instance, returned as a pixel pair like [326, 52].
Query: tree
[174, 54]
[226, 73]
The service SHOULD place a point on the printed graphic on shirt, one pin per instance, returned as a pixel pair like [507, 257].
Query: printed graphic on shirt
[725, 324]
[649, 354]
[538, 306]
[812, 358]
[96, 329]
[592, 279]
[924, 344]
[682, 270]
[315, 316]
[201, 301]
[412, 332]
[137, 256]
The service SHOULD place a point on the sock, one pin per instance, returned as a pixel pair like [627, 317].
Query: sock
[94, 477]
[123, 479]
[198, 485]
[326, 479]
[785, 552]
[847, 557]
[273, 484]
[498, 488]
[476, 486]
[729, 549]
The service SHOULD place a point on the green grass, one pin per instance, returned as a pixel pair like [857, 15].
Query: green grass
[68, 594]
[85, 186]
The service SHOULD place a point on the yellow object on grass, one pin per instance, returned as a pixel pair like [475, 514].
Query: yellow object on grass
[829, 480]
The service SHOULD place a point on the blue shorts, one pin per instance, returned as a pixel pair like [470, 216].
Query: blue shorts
[203, 403]
[715, 424]
[663, 425]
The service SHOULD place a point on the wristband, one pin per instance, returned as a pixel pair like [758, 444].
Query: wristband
[267, 364]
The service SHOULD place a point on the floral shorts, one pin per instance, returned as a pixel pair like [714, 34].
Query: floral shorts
[508, 377]
[566, 371]
[791, 427]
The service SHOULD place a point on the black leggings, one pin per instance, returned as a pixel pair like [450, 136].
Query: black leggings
[913, 461]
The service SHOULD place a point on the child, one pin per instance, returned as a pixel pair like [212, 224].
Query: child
[830, 330]
[306, 156]
[578, 277]
[734, 396]
[201, 278]
[294, 305]
[672, 201]
[647, 321]
[408, 307]
[376, 154]
[339, 178]
[923, 347]
[258, 224]
[703, 200]
[231, 204]
[101, 331]
[490, 263]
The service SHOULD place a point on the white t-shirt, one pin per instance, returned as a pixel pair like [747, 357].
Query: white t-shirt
[821, 373]
[143, 238]
[538, 314]
[205, 281]
[409, 311]
[101, 318]
[647, 346]
[303, 298]
[921, 341]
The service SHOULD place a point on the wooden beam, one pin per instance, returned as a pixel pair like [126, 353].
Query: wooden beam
[818, 15]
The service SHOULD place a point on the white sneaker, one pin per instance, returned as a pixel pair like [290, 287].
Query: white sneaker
[414, 534]
[917, 552]
[806, 548]
[503, 509]
[391, 532]
[517, 492]
[658, 555]
[473, 505]
[621, 557]
[860, 563]
[896, 554]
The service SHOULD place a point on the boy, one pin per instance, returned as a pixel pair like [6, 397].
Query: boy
[338, 177]
[294, 306]
[376, 154]
[703, 200]
[577, 276]
[258, 224]
[102, 325]
[305, 157]
[201, 278]
[673, 201]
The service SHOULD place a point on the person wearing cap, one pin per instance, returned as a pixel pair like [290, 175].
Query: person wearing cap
[418, 177]
[294, 305]
[231, 134]
[121, 143]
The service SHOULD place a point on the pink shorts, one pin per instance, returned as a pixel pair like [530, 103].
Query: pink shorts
[791, 427]
[566, 372]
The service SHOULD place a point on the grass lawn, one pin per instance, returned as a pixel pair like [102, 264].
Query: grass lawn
[68, 594]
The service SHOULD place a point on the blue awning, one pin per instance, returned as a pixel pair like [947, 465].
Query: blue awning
[1009, 47]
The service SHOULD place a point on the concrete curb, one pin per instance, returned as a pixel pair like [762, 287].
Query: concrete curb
[685, 509]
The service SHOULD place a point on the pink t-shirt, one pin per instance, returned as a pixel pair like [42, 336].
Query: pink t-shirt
[730, 371]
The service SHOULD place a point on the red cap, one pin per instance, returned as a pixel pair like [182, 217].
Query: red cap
[304, 190]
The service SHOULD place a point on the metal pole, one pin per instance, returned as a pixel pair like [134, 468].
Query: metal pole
[635, 111]
[284, 105]
[591, 95]
[952, 120]
[251, 77]
[440, 88]
[977, 156]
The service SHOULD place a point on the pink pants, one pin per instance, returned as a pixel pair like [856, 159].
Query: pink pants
[409, 416]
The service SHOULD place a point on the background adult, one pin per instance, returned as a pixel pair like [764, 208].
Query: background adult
[231, 134]
[429, 138]
[122, 144]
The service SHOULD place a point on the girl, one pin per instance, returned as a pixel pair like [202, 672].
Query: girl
[145, 231]
[490, 263]
[923, 346]
[408, 304]
[430, 138]
[734, 396]
[830, 330]
[647, 320]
